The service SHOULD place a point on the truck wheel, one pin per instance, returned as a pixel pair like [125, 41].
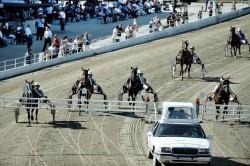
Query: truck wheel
[156, 162]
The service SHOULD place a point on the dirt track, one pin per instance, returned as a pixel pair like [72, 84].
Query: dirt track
[116, 140]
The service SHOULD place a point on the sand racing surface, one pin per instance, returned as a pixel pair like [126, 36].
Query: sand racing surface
[112, 140]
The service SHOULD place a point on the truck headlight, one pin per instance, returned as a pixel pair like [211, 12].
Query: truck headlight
[204, 151]
[166, 150]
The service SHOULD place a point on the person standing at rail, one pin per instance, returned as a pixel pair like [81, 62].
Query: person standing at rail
[48, 38]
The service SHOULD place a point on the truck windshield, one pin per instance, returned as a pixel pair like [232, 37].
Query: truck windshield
[179, 130]
[179, 113]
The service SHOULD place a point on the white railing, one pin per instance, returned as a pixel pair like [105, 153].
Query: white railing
[7, 103]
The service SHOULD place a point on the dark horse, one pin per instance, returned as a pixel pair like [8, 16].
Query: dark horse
[234, 42]
[184, 57]
[133, 86]
[31, 98]
[222, 96]
[84, 87]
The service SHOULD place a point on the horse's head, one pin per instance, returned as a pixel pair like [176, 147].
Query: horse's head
[224, 85]
[133, 72]
[185, 45]
[85, 73]
[232, 29]
[29, 87]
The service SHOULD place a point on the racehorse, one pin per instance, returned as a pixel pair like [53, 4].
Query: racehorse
[133, 86]
[31, 98]
[184, 57]
[222, 96]
[234, 42]
[84, 87]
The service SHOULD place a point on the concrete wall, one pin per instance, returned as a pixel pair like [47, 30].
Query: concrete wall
[123, 44]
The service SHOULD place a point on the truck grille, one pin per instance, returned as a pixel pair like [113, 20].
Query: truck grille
[185, 151]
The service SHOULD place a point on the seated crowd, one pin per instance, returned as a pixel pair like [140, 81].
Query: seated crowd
[172, 20]
[67, 46]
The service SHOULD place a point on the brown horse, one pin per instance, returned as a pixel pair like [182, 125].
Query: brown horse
[133, 86]
[222, 96]
[234, 42]
[184, 57]
[84, 87]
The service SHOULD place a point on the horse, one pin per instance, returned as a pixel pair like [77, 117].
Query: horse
[184, 57]
[133, 86]
[84, 86]
[31, 98]
[234, 42]
[222, 96]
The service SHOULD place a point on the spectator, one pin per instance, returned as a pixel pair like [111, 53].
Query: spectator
[129, 32]
[210, 7]
[200, 13]
[20, 34]
[62, 17]
[120, 30]
[53, 51]
[86, 40]
[28, 34]
[40, 24]
[80, 41]
[47, 36]
[150, 26]
[28, 57]
[3, 41]
[49, 14]
[234, 5]
[114, 34]
[56, 41]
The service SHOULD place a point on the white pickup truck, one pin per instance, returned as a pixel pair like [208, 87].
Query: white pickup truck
[178, 110]
[178, 141]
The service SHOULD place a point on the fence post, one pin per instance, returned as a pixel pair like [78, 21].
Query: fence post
[4, 65]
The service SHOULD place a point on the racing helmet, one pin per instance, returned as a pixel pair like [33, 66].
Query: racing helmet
[192, 48]
[90, 73]
[140, 73]
[36, 84]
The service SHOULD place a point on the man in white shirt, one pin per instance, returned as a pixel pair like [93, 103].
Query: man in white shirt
[62, 17]
[28, 34]
[49, 14]
[47, 36]
[114, 34]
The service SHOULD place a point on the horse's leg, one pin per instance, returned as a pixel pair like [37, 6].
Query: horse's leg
[235, 50]
[181, 72]
[231, 50]
[225, 108]
[28, 111]
[217, 111]
[189, 68]
[239, 49]
[79, 103]
[36, 114]
[32, 117]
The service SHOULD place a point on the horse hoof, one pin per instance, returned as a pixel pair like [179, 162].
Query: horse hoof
[32, 117]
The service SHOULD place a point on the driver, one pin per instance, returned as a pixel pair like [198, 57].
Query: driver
[93, 82]
[242, 37]
[217, 87]
[38, 90]
[196, 59]
[143, 80]
[95, 86]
